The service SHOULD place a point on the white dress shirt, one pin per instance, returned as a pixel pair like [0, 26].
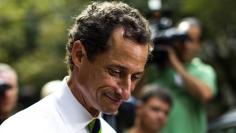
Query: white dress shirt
[59, 112]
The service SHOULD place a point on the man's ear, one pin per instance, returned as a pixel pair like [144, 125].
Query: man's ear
[78, 53]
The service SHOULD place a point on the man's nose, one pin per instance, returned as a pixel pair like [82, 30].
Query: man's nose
[162, 115]
[126, 86]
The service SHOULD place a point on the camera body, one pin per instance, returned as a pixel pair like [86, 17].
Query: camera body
[3, 87]
[167, 38]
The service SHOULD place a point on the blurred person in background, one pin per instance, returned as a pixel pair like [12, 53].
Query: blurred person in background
[50, 87]
[191, 82]
[126, 114]
[107, 51]
[8, 91]
[152, 111]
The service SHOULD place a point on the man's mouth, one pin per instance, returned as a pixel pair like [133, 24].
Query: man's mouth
[114, 99]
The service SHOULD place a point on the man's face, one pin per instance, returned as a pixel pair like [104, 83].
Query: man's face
[9, 98]
[109, 79]
[153, 114]
[191, 48]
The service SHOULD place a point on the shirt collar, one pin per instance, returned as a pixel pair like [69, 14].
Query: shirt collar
[73, 114]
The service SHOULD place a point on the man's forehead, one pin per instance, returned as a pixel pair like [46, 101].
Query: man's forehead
[7, 75]
[125, 52]
[117, 37]
[118, 33]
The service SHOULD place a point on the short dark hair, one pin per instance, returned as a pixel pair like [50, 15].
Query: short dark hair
[162, 94]
[93, 27]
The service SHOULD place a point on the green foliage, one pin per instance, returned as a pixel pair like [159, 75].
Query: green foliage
[33, 35]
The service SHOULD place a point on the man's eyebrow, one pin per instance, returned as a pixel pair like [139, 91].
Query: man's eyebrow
[139, 73]
[123, 68]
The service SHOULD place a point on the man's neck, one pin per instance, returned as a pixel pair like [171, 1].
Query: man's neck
[139, 128]
[134, 130]
[78, 94]
[3, 117]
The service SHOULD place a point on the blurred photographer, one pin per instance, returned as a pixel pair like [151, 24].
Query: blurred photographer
[191, 82]
[8, 91]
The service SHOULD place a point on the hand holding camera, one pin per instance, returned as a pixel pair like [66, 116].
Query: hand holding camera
[165, 46]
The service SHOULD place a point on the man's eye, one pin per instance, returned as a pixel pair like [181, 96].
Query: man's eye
[114, 72]
[156, 109]
[136, 77]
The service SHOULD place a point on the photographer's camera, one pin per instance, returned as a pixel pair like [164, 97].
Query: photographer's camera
[3, 87]
[167, 38]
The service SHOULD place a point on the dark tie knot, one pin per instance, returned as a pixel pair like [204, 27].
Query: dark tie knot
[95, 126]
